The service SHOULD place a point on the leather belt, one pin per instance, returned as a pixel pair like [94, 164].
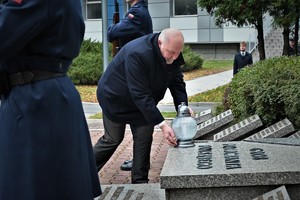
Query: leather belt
[21, 78]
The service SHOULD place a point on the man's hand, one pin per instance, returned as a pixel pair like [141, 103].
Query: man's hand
[169, 134]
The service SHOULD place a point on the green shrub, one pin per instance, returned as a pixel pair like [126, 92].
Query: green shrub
[87, 68]
[192, 60]
[270, 89]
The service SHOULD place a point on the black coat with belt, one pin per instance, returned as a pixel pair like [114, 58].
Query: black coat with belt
[136, 80]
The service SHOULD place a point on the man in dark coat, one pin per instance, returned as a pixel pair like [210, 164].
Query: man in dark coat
[292, 48]
[45, 146]
[137, 23]
[129, 91]
[241, 58]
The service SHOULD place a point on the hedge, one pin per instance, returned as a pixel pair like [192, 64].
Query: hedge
[270, 88]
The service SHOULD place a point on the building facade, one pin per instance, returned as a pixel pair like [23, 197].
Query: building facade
[198, 27]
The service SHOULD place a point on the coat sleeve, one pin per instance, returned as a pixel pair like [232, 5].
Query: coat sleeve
[20, 22]
[177, 88]
[235, 67]
[127, 26]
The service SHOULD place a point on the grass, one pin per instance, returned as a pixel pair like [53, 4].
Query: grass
[209, 67]
[214, 95]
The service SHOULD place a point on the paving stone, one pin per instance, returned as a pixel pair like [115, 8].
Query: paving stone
[240, 130]
[203, 116]
[279, 194]
[295, 135]
[280, 129]
[132, 191]
[111, 172]
[206, 129]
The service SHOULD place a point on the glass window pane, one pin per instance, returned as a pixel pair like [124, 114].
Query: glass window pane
[185, 7]
[94, 11]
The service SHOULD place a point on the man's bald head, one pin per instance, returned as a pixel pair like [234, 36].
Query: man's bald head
[171, 43]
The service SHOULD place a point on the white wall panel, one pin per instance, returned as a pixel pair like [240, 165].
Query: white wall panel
[159, 10]
[184, 23]
[93, 30]
[239, 34]
[189, 35]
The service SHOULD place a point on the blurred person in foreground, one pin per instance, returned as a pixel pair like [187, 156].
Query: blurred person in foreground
[128, 92]
[45, 146]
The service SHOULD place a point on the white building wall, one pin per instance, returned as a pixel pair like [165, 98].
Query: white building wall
[93, 30]
[196, 29]
[160, 14]
[188, 26]
[233, 33]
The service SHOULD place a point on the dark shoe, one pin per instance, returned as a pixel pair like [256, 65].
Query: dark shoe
[127, 165]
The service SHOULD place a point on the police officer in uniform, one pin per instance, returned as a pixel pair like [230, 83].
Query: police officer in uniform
[137, 23]
[45, 147]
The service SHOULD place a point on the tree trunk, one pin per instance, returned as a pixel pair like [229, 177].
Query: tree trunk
[286, 34]
[260, 38]
[297, 30]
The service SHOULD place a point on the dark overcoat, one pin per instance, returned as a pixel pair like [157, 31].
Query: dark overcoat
[45, 146]
[136, 80]
[241, 61]
[136, 23]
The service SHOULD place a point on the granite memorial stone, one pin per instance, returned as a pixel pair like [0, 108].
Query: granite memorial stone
[240, 130]
[203, 116]
[280, 129]
[207, 129]
[295, 135]
[230, 170]
[277, 194]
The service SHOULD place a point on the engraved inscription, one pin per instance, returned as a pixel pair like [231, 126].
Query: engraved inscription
[258, 154]
[232, 160]
[204, 157]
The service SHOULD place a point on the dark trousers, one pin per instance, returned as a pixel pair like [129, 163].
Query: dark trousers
[113, 136]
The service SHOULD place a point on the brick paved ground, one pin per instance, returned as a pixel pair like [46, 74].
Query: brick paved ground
[111, 173]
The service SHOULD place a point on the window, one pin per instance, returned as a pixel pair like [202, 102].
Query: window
[93, 9]
[185, 7]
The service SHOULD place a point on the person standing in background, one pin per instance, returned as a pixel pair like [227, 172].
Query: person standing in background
[45, 146]
[241, 58]
[292, 48]
[137, 23]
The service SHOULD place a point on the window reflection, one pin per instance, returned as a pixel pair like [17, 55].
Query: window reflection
[94, 10]
[185, 7]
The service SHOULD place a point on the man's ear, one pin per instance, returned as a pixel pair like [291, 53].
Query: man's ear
[159, 42]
